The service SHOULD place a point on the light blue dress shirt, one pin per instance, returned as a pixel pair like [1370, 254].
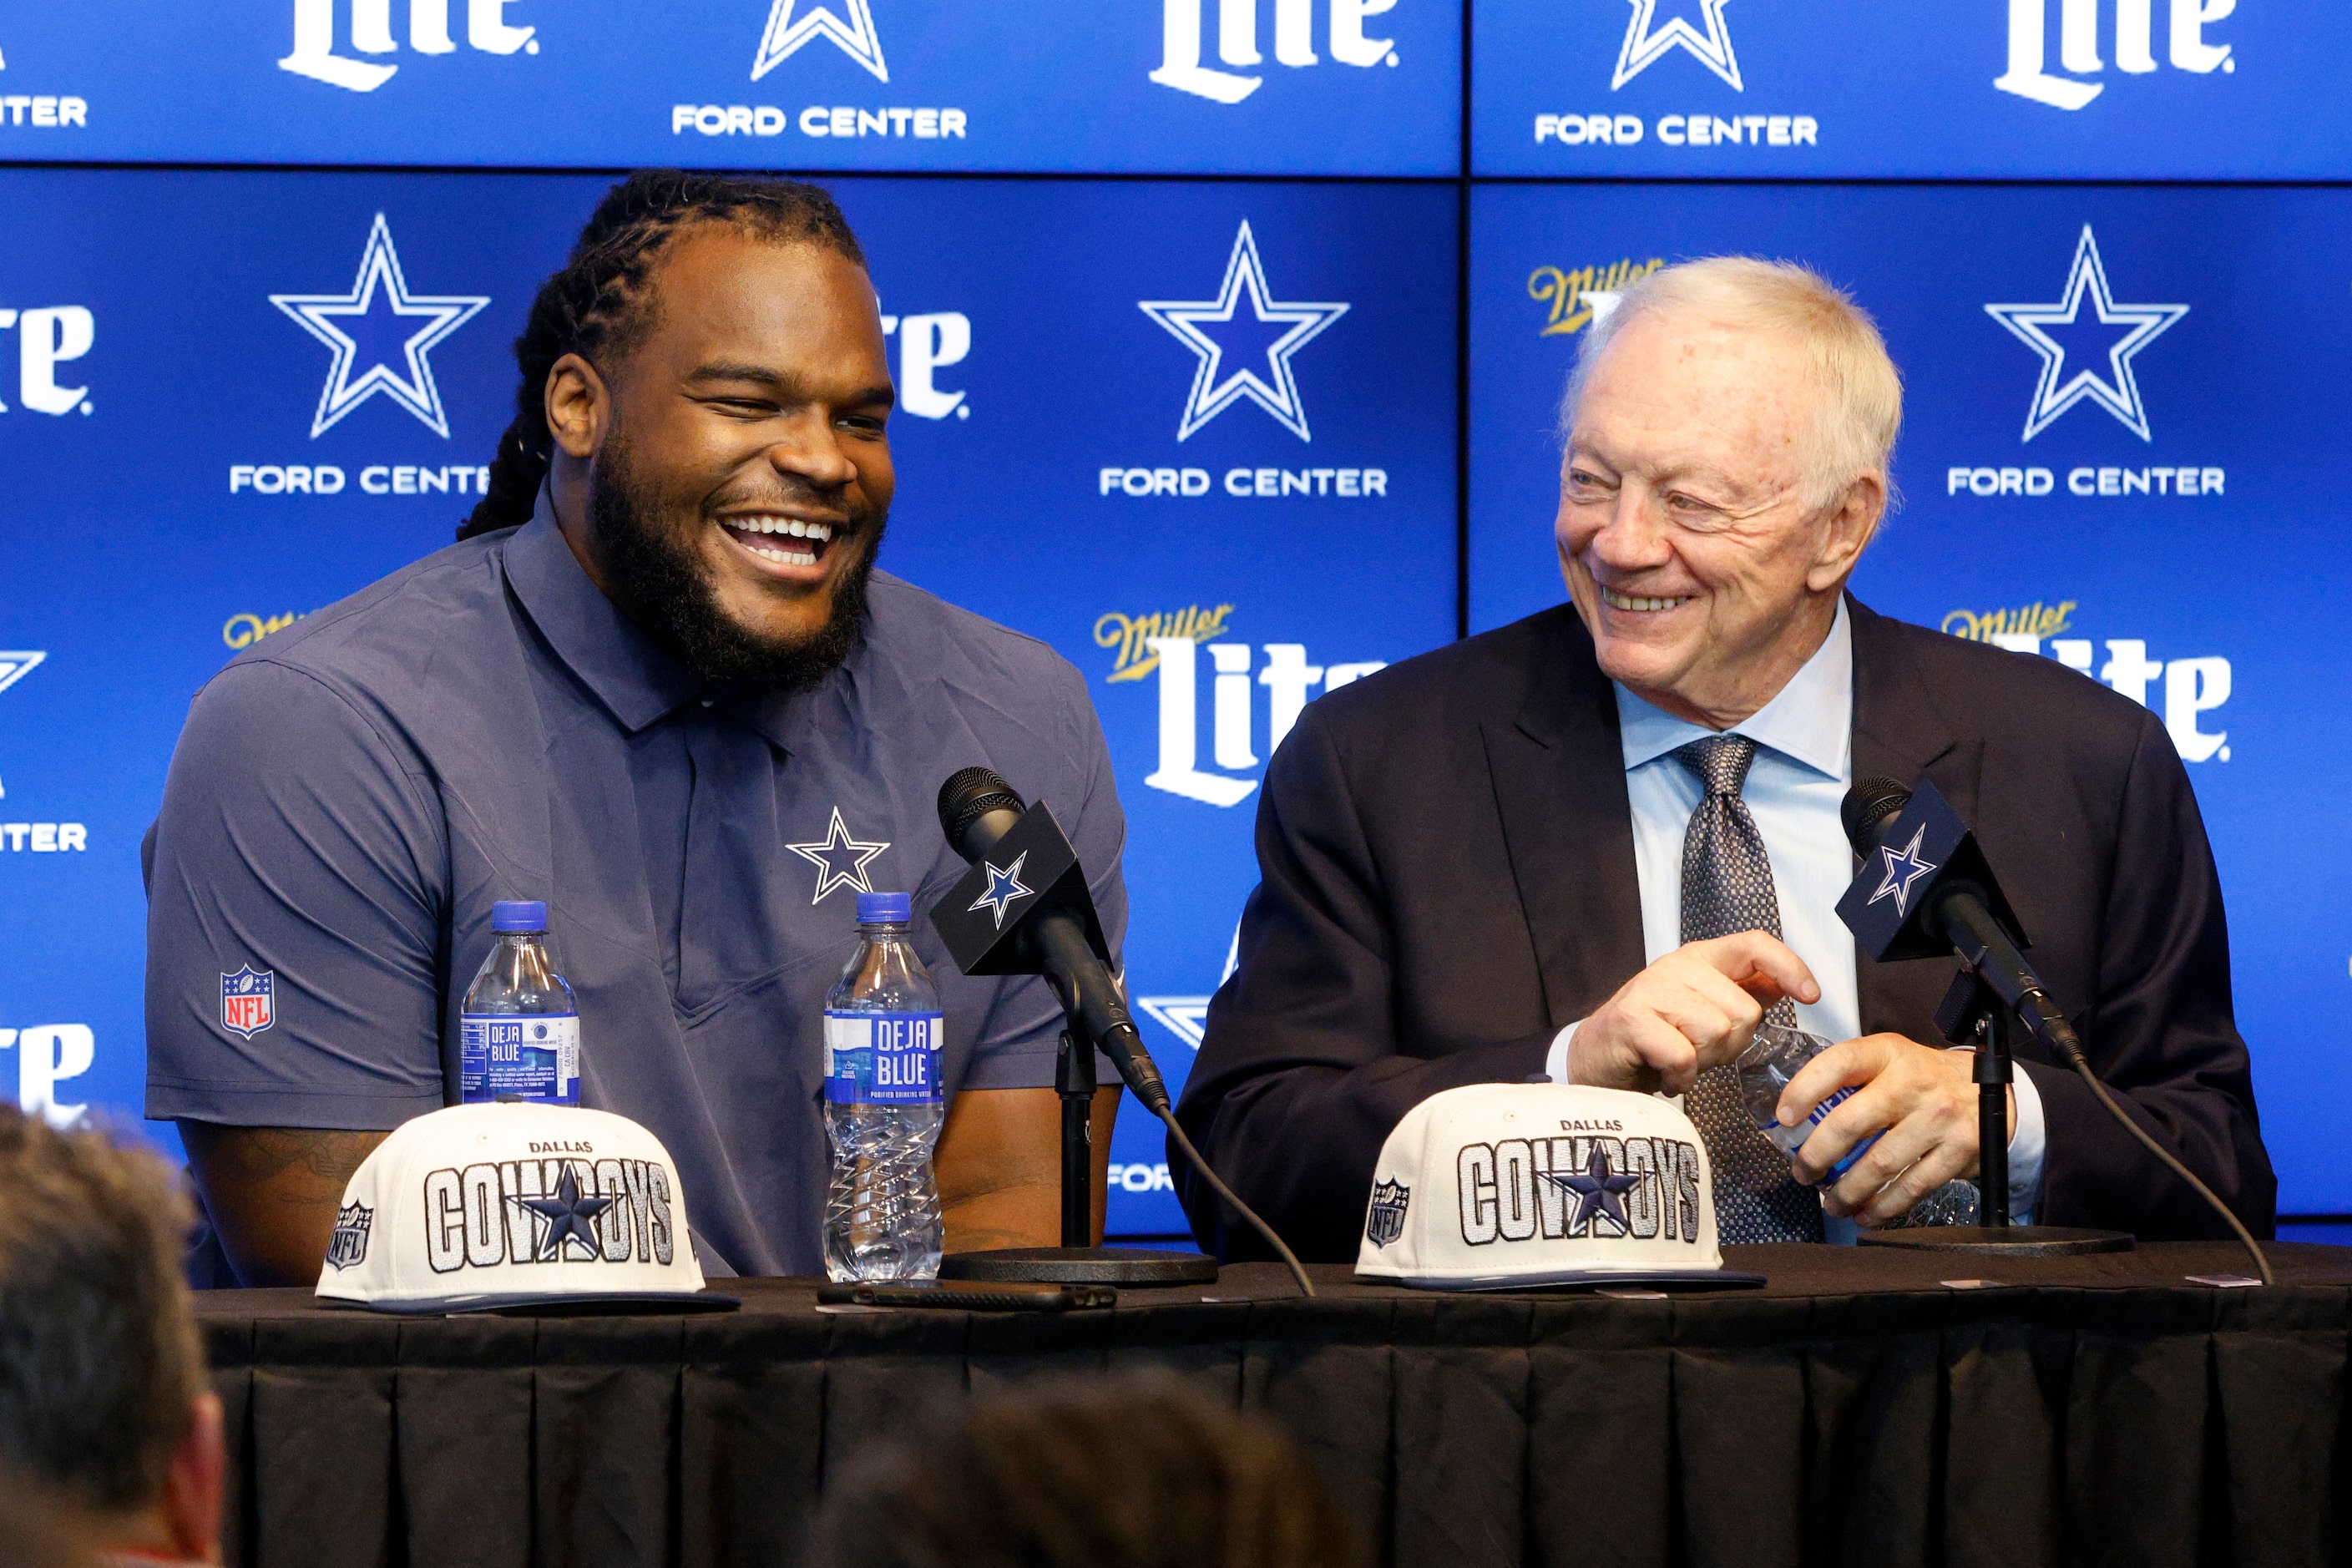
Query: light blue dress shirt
[1804, 762]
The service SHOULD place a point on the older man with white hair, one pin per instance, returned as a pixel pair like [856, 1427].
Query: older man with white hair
[1603, 844]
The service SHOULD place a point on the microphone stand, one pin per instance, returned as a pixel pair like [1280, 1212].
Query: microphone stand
[1994, 1075]
[1973, 1012]
[1057, 935]
[1078, 1261]
[1074, 1080]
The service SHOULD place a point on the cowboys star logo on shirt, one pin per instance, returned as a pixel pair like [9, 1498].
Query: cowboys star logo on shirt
[347, 1247]
[840, 859]
[248, 1001]
[1386, 1221]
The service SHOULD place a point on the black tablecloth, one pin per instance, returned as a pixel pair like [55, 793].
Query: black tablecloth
[2098, 1409]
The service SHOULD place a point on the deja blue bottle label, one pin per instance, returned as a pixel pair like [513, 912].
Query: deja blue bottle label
[530, 1056]
[1792, 1139]
[882, 1059]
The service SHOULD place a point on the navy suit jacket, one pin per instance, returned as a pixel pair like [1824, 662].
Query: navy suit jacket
[1448, 878]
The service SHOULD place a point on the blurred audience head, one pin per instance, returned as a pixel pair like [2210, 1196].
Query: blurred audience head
[108, 1425]
[35, 1532]
[1124, 1474]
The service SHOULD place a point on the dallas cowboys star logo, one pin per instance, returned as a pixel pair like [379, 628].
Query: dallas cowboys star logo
[15, 665]
[1643, 44]
[2060, 389]
[855, 36]
[18, 664]
[1295, 323]
[571, 1216]
[1003, 887]
[1186, 1018]
[840, 859]
[1903, 869]
[441, 314]
[1598, 1193]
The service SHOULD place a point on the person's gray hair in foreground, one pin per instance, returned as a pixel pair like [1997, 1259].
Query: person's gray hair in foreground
[1137, 1473]
[107, 1422]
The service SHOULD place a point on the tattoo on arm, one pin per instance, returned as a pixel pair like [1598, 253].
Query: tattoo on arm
[272, 1193]
[296, 1164]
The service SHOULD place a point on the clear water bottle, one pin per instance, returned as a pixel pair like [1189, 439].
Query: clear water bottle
[1765, 1067]
[519, 1031]
[883, 1104]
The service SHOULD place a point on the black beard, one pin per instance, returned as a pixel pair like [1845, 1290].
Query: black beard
[660, 584]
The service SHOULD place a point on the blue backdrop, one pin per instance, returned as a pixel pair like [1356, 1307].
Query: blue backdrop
[1227, 408]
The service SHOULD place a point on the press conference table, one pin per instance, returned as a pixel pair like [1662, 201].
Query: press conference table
[2098, 1409]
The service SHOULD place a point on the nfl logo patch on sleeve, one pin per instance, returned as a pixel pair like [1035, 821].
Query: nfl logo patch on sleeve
[248, 1001]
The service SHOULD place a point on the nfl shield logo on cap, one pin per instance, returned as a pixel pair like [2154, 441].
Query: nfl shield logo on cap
[1385, 1224]
[1503, 1185]
[489, 1206]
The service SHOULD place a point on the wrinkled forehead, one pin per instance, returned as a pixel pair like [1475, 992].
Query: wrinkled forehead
[1673, 388]
[725, 290]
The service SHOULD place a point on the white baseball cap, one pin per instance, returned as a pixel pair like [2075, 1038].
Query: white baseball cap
[1499, 1186]
[485, 1207]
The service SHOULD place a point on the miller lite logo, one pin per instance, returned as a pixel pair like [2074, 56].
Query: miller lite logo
[2131, 42]
[347, 1247]
[1386, 1222]
[1182, 30]
[368, 31]
[1287, 678]
[248, 1001]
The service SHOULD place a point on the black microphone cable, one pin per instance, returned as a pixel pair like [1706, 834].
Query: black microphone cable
[1873, 803]
[1142, 1076]
[2059, 1036]
[1297, 1269]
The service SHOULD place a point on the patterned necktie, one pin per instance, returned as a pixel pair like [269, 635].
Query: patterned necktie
[1727, 888]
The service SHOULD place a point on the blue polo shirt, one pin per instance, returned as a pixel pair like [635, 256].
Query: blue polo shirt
[351, 796]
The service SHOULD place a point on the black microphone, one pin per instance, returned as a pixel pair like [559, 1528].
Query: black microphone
[1058, 936]
[1926, 888]
[1958, 903]
[977, 807]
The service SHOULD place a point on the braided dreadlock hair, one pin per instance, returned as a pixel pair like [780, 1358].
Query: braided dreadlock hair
[595, 306]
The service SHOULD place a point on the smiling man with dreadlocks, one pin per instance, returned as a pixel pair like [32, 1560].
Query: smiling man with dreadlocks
[659, 684]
